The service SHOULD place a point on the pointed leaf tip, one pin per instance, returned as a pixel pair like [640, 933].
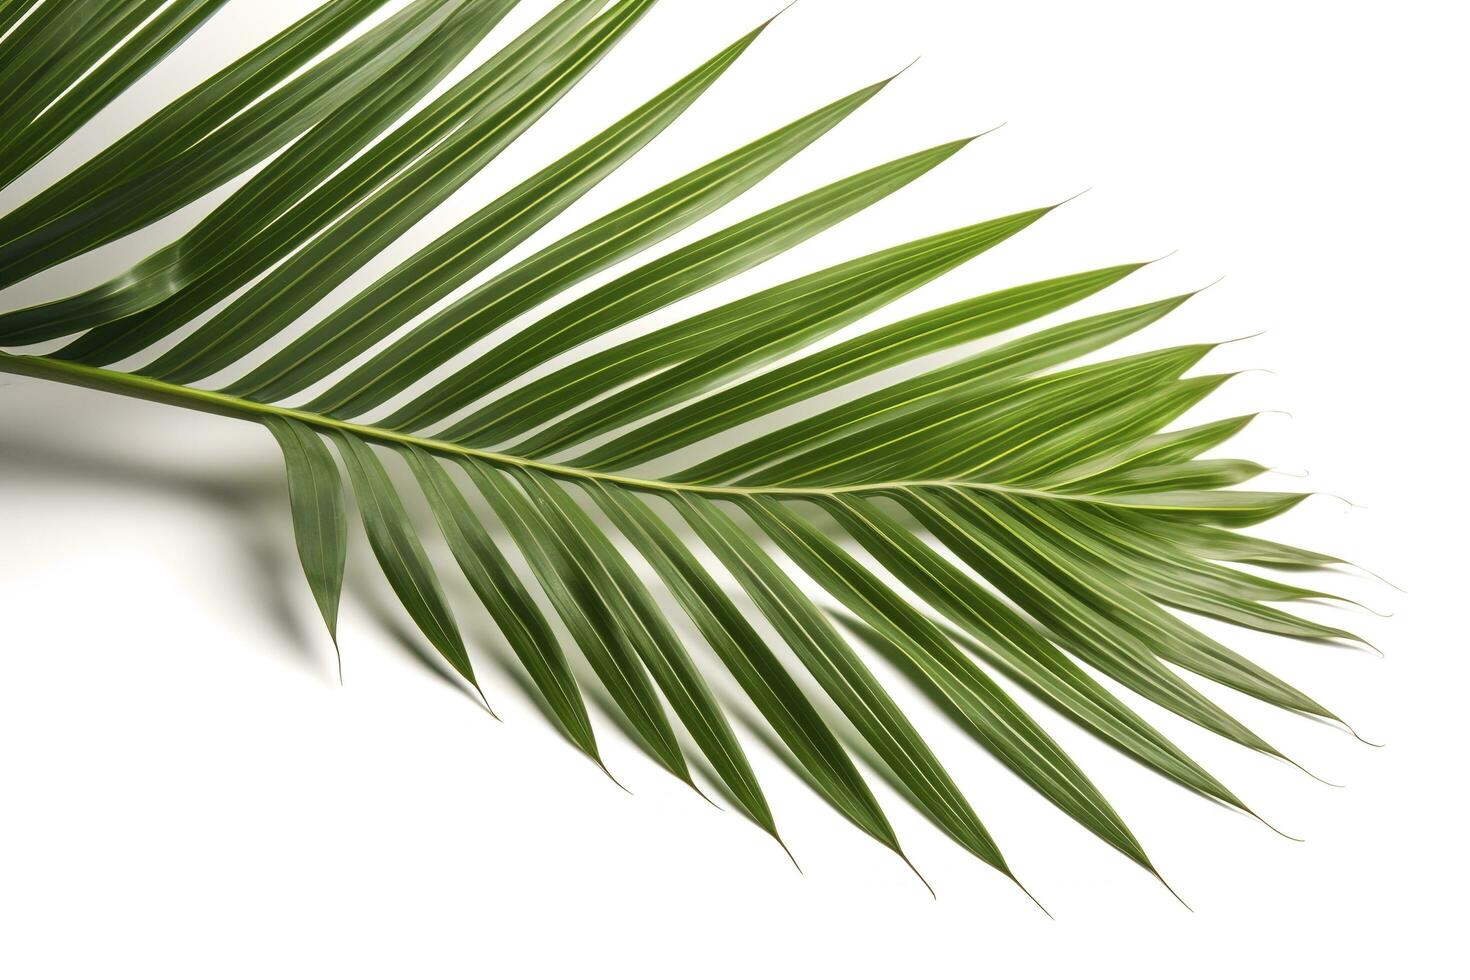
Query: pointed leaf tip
[772, 19]
[905, 68]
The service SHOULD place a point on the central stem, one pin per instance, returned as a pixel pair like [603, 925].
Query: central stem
[215, 403]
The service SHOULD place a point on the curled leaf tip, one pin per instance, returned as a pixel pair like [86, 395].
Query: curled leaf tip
[1370, 647]
[1275, 829]
[1309, 772]
[1361, 606]
[1339, 497]
[1354, 733]
[1374, 575]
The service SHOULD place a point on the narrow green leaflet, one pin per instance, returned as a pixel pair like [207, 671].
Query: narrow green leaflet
[402, 557]
[1160, 566]
[1119, 392]
[1009, 643]
[990, 715]
[1227, 508]
[1196, 474]
[1099, 472]
[979, 375]
[843, 676]
[478, 241]
[60, 49]
[294, 219]
[318, 514]
[585, 602]
[196, 113]
[241, 237]
[310, 274]
[139, 38]
[1093, 428]
[827, 302]
[1218, 543]
[863, 356]
[1225, 594]
[57, 50]
[664, 281]
[526, 630]
[757, 670]
[148, 173]
[1173, 640]
[616, 236]
[950, 434]
[659, 647]
[1050, 589]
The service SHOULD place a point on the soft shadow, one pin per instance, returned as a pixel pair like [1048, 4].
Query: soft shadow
[860, 747]
[247, 501]
[600, 701]
[414, 646]
[505, 665]
[698, 764]
[40, 459]
[756, 727]
[598, 698]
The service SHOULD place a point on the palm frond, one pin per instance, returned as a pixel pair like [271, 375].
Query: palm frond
[1046, 518]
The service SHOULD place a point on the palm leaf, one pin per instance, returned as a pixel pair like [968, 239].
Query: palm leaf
[1007, 515]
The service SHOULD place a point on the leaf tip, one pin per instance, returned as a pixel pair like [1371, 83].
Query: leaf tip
[597, 760]
[484, 700]
[901, 71]
[772, 19]
[1268, 824]
[1318, 778]
[1177, 897]
[782, 843]
[922, 880]
[1044, 911]
[1067, 200]
[1241, 340]
[1209, 285]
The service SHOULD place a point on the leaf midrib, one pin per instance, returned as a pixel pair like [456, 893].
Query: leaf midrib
[230, 406]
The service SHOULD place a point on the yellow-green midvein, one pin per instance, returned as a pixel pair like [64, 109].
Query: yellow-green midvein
[216, 403]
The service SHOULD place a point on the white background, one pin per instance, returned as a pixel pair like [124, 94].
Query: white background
[187, 791]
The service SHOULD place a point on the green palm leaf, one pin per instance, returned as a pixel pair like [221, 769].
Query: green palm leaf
[505, 598]
[1005, 517]
[318, 514]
